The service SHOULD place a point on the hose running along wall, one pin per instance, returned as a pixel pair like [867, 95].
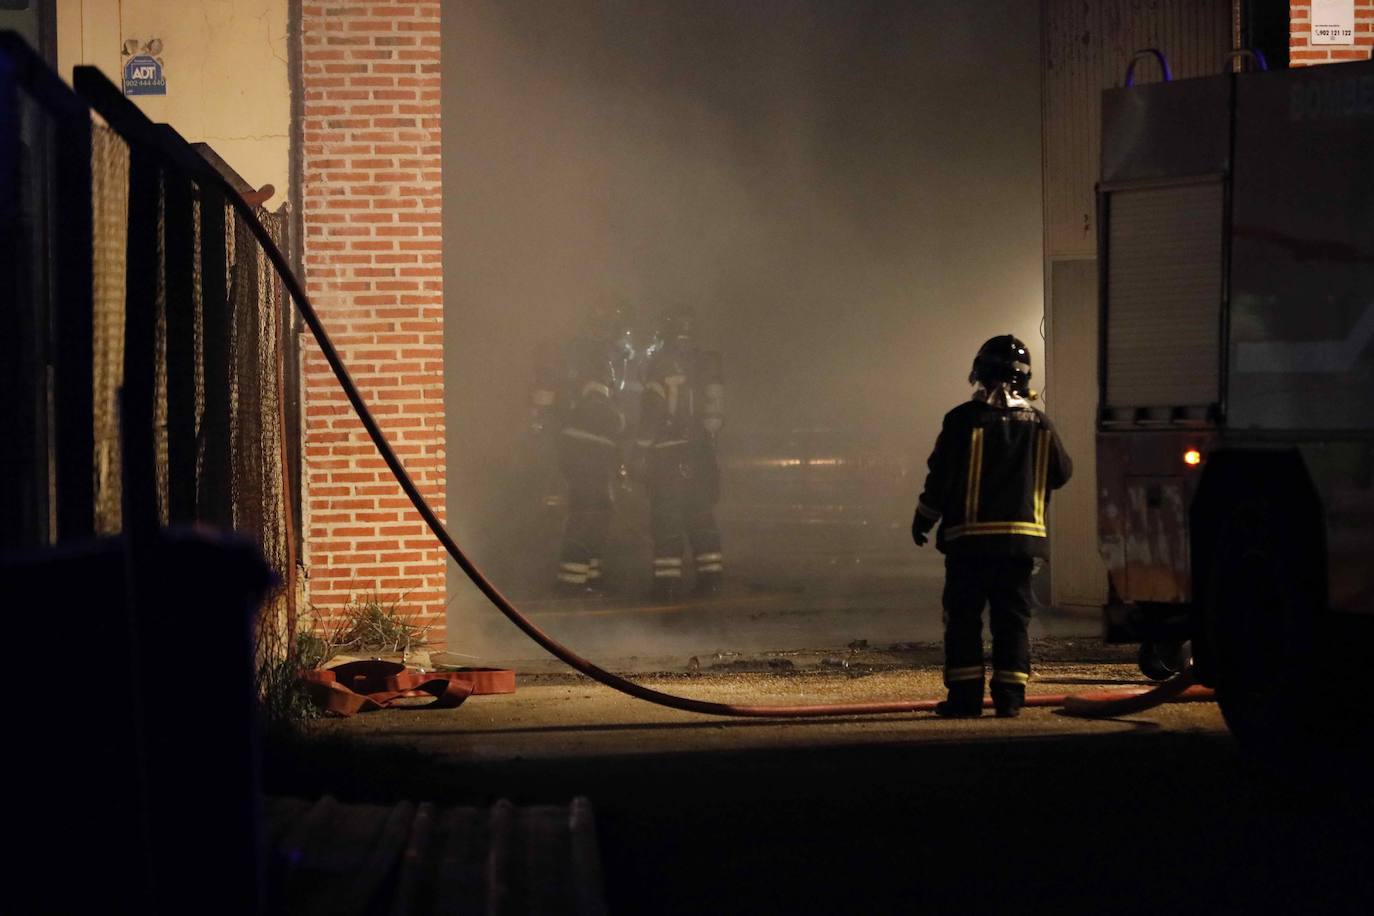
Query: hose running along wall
[1179, 689]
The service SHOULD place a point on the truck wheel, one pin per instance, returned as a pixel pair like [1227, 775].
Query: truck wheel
[1259, 618]
[1259, 551]
[1160, 661]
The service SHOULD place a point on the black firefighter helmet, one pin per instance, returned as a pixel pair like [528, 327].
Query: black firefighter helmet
[674, 329]
[1002, 360]
[608, 320]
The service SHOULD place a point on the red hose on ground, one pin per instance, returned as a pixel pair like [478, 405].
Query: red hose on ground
[1167, 692]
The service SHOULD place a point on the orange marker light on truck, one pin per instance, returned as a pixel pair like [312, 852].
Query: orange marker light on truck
[1192, 457]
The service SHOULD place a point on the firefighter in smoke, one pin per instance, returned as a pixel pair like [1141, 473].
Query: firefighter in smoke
[682, 410]
[995, 463]
[575, 401]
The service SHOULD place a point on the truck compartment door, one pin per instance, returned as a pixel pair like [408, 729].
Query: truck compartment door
[1164, 271]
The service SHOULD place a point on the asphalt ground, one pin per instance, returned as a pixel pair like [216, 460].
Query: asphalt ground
[877, 599]
[1151, 813]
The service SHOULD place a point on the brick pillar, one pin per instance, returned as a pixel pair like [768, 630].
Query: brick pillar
[372, 197]
[1301, 51]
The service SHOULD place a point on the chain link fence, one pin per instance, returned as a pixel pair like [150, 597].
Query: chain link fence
[151, 380]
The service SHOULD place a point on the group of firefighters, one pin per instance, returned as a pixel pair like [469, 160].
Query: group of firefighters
[613, 402]
[995, 462]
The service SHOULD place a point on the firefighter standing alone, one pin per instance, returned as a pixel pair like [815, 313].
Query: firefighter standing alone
[995, 463]
[682, 410]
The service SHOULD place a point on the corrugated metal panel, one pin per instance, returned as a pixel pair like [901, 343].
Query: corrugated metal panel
[1072, 74]
[1078, 576]
[1164, 269]
[1085, 47]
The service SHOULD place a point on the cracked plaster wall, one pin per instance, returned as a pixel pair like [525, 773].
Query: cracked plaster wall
[225, 63]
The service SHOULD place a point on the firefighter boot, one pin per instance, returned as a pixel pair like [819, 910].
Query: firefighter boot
[1008, 700]
[707, 585]
[596, 585]
[965, 701]
[666, 590]
[564, 590]
[572, 579]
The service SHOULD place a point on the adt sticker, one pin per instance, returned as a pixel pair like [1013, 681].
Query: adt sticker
[143, 76]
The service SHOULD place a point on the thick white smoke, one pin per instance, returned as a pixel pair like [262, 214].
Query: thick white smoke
[847, 194]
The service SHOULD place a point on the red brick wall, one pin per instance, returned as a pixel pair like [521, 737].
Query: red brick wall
[372, 198]
[1301, 51]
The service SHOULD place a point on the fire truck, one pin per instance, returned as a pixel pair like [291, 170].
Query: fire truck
[1235, 429]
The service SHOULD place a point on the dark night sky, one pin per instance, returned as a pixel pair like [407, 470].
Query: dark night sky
[848, 193]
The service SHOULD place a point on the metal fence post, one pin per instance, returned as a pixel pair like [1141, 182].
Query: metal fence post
[179, 251]
[74, 355]
[214, 501]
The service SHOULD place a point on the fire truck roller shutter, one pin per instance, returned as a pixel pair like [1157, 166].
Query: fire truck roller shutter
[1164, 289]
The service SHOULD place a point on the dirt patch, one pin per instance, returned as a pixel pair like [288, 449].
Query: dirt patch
[858, 659]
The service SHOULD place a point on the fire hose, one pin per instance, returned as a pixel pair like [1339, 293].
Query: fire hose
[1103, 704]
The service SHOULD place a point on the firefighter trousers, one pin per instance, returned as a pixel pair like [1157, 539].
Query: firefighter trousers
[584, 536]
[684, 486]
[1004, 585]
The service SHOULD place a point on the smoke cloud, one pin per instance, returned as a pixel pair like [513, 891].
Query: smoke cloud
[847, 193]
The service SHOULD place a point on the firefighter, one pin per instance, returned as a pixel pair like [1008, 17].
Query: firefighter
[681, 413]
[574, 400]
[995, 462]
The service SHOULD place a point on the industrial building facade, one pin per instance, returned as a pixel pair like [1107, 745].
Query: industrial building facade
[337, 106]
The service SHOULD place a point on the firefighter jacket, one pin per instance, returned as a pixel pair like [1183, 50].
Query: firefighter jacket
[990, 479]
[573, 398]
[590, 438]
[683, 400]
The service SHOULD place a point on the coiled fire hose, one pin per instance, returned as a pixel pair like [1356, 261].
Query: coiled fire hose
[1104, 704]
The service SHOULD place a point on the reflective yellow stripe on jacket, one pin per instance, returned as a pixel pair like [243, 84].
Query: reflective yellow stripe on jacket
[1029, 529]
[1040, 471]
[975, 474]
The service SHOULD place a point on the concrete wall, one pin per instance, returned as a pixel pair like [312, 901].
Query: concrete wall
[226, 68]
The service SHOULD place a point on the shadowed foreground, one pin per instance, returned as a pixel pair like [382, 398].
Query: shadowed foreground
[1155, 813]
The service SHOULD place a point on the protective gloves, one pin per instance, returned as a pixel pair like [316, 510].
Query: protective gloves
[919, 531]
